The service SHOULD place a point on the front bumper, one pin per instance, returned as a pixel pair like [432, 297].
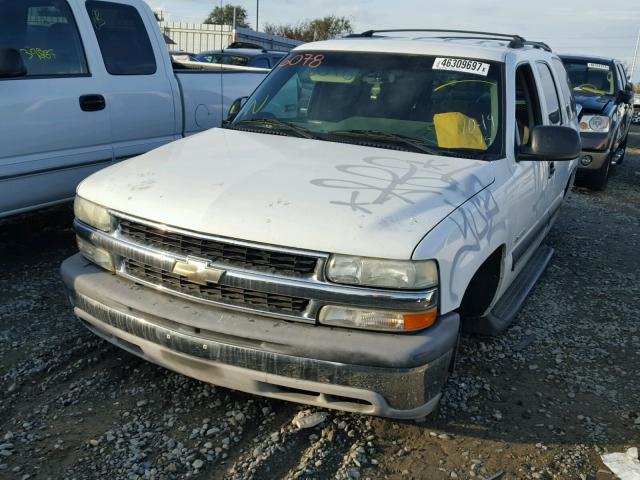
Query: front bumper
[391, 375]
[597, 146]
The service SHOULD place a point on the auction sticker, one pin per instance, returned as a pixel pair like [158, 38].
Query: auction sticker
[598, 66]
[461, 65]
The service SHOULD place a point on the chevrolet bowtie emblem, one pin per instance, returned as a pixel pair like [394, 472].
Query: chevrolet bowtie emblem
[198, 271]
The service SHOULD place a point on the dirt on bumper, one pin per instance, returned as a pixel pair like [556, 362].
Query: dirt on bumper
[257, 366]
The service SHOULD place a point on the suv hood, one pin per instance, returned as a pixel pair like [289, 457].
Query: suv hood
[306, 194]
[593, 103]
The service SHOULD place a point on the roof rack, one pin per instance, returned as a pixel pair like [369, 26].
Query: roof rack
[515, 41]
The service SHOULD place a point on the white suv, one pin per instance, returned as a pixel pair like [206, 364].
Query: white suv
[324, 247]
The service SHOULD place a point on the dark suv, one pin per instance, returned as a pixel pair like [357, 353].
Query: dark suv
[601, 88]
[240, 55]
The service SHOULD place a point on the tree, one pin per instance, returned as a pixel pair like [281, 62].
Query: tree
[310, 30]
[224, 16]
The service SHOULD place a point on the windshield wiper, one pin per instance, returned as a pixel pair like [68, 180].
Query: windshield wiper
[414, 143]
[273, 122]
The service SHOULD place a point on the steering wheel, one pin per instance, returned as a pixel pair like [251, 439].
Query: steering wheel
[588, 85]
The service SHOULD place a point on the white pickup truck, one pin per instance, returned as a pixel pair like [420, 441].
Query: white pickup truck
[84, 84]
[324, 247]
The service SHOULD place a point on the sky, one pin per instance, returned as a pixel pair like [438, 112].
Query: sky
[596, 27]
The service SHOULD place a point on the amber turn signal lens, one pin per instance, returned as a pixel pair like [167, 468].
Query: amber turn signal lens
[378, 320]
[420, 321]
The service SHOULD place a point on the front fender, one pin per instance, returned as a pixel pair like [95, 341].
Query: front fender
[597, 142]
[462, 242]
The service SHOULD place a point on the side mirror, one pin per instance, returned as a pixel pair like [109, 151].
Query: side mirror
[626, 95]
[552, 143]
[235, 108]
[11, 64]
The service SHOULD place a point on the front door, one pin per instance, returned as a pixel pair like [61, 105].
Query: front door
[555, 112]
[138, 87]
[527, 190]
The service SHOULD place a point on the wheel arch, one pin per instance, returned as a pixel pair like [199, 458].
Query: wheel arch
[462, 243]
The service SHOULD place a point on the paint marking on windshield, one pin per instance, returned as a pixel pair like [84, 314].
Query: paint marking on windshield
[308, 60]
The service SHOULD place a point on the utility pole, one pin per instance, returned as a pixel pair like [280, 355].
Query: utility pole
[257, 15]
[635, 56]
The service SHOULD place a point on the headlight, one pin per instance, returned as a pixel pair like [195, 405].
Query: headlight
[594, 123]
[92, 214]
[381, 320]
[375, 272]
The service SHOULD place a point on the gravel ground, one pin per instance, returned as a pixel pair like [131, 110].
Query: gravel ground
[543, 400]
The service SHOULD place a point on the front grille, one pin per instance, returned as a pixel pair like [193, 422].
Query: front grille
[225, 253]
[241, 297]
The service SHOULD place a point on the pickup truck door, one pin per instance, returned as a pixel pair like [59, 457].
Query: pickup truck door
[526, 189]
[554, 112]
[625, 109]
[55, 130]
[140, 88]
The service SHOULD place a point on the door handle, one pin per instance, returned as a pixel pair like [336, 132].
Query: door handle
[552, 169]
[92, 103]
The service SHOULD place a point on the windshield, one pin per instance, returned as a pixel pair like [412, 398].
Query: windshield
[444, 106]
[590, 77]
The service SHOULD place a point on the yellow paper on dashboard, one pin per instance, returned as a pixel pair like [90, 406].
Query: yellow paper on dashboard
[456, 130]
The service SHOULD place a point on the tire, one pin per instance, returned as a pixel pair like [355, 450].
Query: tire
[596, 179]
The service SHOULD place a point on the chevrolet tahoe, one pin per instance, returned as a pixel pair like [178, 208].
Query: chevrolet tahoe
[374, 196]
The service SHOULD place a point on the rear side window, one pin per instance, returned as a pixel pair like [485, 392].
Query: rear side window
[261, 62]
[551, 97]
[276, 60]
[45, 34]
[123, 39]
[569, 102]
[234, 60]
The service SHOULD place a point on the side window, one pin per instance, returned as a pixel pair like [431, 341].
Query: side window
[287, 102]
[569, 102]
[551, 96]
[234, 60]
[261, 62]
[622, 77]
[616, 68]
[527, 104]
[45, 34]
[123, 39]
[625, 78]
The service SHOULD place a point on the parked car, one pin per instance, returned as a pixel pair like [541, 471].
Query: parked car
[179, 55]
[636, 108]
[324, 247]
[243, 55]
[86, 84]
[601, 88]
